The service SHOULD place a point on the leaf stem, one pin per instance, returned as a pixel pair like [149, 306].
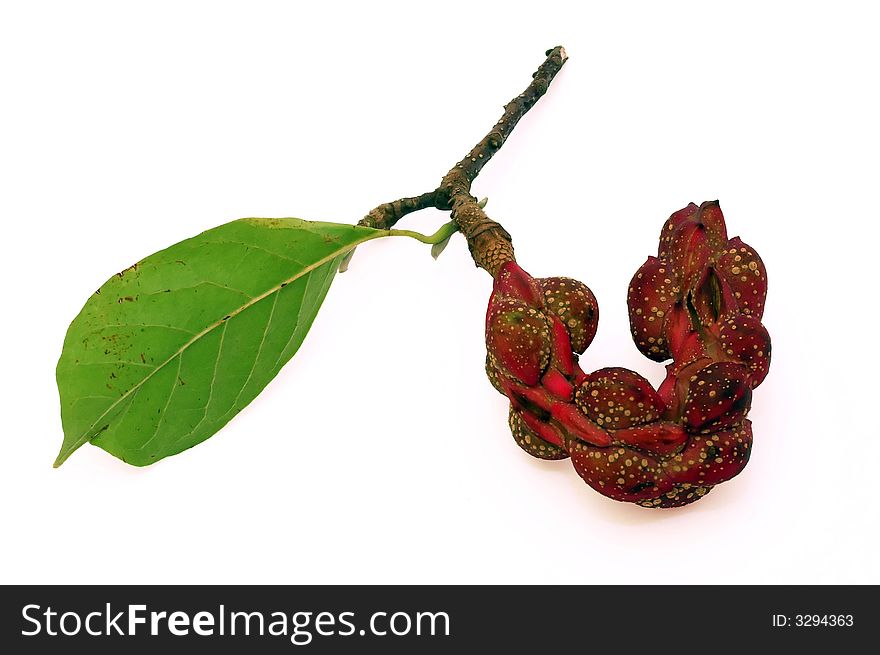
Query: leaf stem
[445, 231]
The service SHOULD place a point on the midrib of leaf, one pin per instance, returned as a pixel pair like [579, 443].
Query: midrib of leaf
[89, 432]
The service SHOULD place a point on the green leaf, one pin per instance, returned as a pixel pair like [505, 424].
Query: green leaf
[166, 352]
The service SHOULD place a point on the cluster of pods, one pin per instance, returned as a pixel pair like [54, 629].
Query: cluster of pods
[698, 303]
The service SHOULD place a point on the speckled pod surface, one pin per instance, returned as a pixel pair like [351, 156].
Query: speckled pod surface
[699, 302]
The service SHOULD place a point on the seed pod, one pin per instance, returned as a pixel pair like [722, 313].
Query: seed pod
[746, 340]
[689, 253]
[689, 239]
[619, 472]
[652, 294]
[575, 305]
[744, 272]
[517, 340]
[617, 398]
[712, 458]
[676, 220]
[709, 215]
[529, 441]
[719, 397]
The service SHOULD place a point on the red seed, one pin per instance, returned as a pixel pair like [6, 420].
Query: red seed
[617, 398]
[712, 458]
[671, 225]
[746, 340]
[517, 340]
[652, 293]
[529, 441]
[619, 472]
[710, 216]
[576, 307]
[719, 396]
[742, 268]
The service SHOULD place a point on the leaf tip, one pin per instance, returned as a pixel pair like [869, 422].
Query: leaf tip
[66, 451]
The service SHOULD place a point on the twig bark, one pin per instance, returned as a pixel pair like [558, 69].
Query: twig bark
[489, 243]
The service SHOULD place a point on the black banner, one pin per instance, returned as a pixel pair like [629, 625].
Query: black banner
[288, 619]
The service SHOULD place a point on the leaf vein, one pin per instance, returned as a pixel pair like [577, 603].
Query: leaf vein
[210, 390]
[201, 284]
[259, 350]
[174, 385]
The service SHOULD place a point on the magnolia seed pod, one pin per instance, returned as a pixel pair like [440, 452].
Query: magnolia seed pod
[676, 220]
[528, 439]
[719, 397]
[575, 306]
[746, 340]
[517, 340]
[617, 398]
[712, 458]
[619, 472]
[742, 268]
[652, 293]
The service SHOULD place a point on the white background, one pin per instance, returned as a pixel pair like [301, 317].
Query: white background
[381, 453]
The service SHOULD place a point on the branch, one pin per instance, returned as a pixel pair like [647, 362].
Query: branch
[489, 243]
[387, 214]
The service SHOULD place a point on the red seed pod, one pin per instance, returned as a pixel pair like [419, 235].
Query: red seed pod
[712, 458]
[699, 303]
[676, 220]
[674, 389]
[742, 268]
[617, 398]
[652, 294]
[746, 340]
[711, 218]
[707, 216]
[696, 233]
[689, 253]
[575, 306]
[517, 340]
[719, 396]
[619, 472]
[529, 441]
